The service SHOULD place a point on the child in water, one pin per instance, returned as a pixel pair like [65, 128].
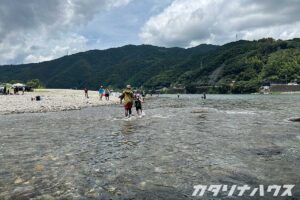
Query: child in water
[138, 104]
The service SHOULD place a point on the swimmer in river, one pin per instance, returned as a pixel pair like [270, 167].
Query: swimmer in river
[127, 95]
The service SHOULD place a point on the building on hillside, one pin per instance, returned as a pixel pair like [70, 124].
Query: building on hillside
[290, 87]
[264, 89]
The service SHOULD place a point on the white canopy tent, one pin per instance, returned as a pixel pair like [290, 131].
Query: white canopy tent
[18, 85]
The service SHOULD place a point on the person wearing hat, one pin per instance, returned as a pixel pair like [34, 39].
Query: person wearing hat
[128, 97]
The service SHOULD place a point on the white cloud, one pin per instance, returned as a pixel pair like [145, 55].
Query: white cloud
[66, 44]
[188, 23]
[38, 30]
[36, 58]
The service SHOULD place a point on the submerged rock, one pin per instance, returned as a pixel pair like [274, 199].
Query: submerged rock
[91, 194]
[39, 168]
[267, 152]
[18, 180]
[44, 197]
[111, 189]
[130, 143]
[142, 185]
[23, 192]
[5, 195]
[199, 111]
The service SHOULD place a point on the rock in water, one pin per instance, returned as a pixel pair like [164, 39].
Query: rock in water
[91, 194]
[23, 192]
[19, 180]
[39, 168]
[111, 189]
[295, 120]
[44, 197]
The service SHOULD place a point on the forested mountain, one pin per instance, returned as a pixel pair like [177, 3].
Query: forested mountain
[238, 67]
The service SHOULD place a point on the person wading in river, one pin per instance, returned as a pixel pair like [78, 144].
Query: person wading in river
[128, 97]
[138, 104]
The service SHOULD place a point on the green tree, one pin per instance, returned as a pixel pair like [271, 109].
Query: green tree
[35, 83]
[283, 65]
[14, 81]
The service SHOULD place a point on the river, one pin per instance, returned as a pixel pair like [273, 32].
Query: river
[95, 153]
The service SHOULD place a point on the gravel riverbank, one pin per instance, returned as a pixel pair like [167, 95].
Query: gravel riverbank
[52, 100]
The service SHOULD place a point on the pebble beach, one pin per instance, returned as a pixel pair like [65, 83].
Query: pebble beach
[52, 100]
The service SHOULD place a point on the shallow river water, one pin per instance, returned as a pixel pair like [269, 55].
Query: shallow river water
[95, 153]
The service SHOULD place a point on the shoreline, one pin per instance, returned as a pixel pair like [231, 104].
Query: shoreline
[52, 100]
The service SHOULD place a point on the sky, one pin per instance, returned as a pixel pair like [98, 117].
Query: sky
[41, 30]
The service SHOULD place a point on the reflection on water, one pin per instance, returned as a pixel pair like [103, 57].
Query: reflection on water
[96, 154]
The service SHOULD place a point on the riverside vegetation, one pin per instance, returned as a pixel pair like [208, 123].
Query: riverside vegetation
[236, 67]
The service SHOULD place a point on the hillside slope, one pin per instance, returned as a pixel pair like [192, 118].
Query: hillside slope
[112, 67]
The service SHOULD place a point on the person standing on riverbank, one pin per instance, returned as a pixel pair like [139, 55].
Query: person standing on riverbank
[128, 96]
[86, 93]
[101, 92]
[107, 94]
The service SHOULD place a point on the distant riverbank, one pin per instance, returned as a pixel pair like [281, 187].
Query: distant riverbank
[52, 100]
